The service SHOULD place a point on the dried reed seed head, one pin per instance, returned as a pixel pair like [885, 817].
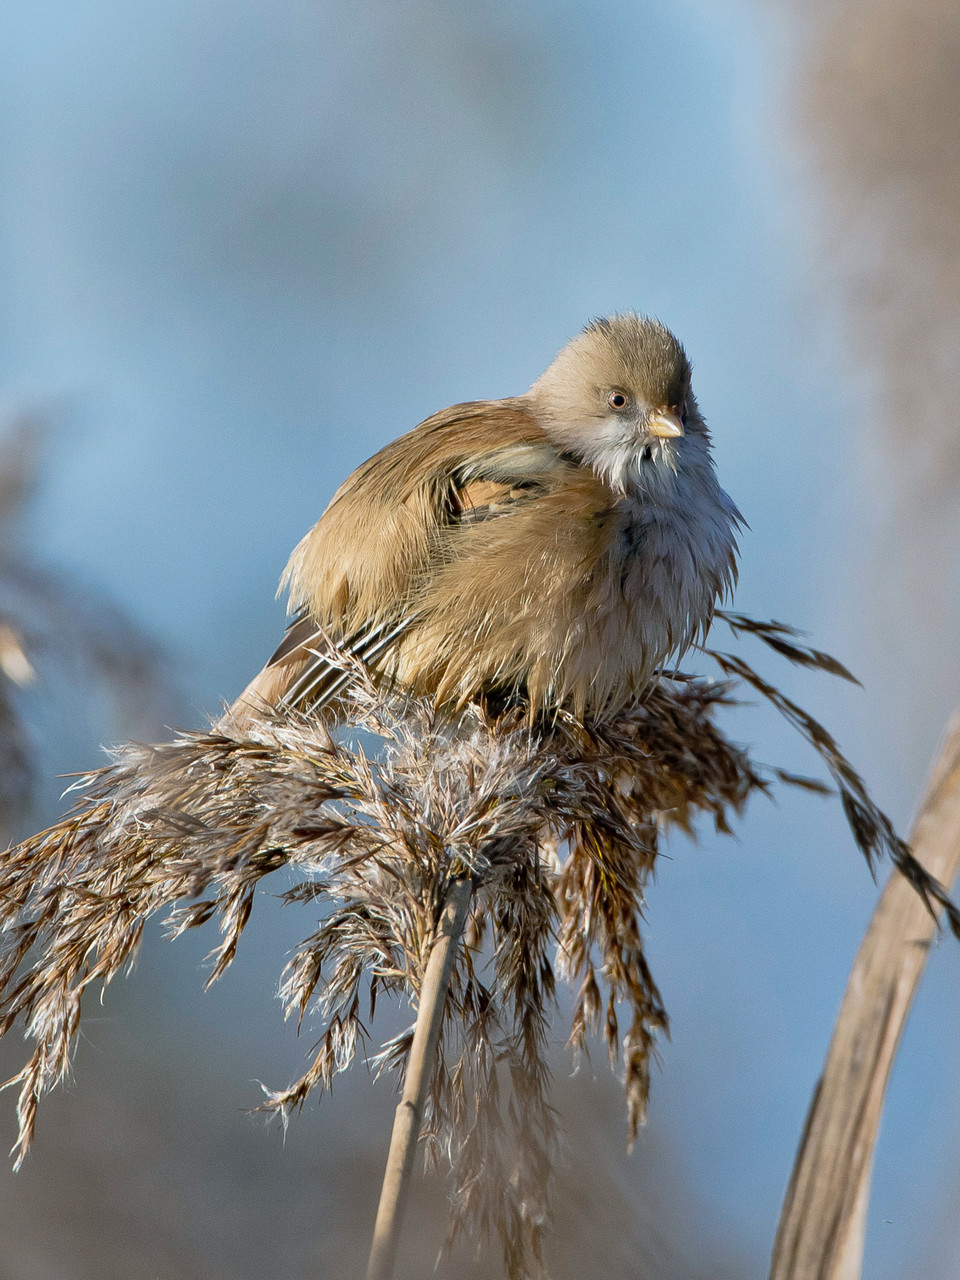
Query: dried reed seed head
[556, 824]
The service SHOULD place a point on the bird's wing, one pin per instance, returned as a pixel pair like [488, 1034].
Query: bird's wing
[494, 483]
[353, 579]
[379, 533]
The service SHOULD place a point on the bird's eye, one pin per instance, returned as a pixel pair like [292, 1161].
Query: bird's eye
[617, 400]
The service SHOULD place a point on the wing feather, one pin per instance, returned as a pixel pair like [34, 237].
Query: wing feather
[361, 562]
[358, 574]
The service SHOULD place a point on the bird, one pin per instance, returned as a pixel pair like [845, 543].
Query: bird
[553, 550]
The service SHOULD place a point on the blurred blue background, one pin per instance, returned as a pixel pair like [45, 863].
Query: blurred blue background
[244, 245]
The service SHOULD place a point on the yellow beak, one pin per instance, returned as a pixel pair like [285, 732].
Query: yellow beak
[665, 424]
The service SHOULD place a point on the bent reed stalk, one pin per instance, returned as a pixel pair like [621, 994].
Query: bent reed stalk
[822, 1225]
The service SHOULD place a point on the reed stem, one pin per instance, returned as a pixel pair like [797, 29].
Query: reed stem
[409, 1113]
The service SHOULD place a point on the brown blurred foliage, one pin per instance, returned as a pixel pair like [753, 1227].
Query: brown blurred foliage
[72, 663]
[879, 92]
[876, 97]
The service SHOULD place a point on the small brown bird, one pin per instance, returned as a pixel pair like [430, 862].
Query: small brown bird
[556, 547]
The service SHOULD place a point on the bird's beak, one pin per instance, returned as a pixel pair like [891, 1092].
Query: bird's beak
[665, 424]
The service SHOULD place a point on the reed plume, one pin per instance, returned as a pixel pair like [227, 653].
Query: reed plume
[555, 824]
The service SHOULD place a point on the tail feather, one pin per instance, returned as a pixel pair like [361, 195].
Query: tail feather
[302, 676]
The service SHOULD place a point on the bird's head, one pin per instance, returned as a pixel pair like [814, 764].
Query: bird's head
[618, 397]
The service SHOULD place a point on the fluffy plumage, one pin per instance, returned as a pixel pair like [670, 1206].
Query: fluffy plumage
[558, 547]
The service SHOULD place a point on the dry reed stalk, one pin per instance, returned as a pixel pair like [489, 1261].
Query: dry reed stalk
[420, 1067]
[821, 1231]
[556, 825]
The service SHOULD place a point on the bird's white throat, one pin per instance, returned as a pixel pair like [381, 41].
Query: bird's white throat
[636, 467]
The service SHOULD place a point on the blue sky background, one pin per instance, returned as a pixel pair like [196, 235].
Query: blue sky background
[243, 246]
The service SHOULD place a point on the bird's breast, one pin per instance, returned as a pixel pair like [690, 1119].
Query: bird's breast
[577, 597]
